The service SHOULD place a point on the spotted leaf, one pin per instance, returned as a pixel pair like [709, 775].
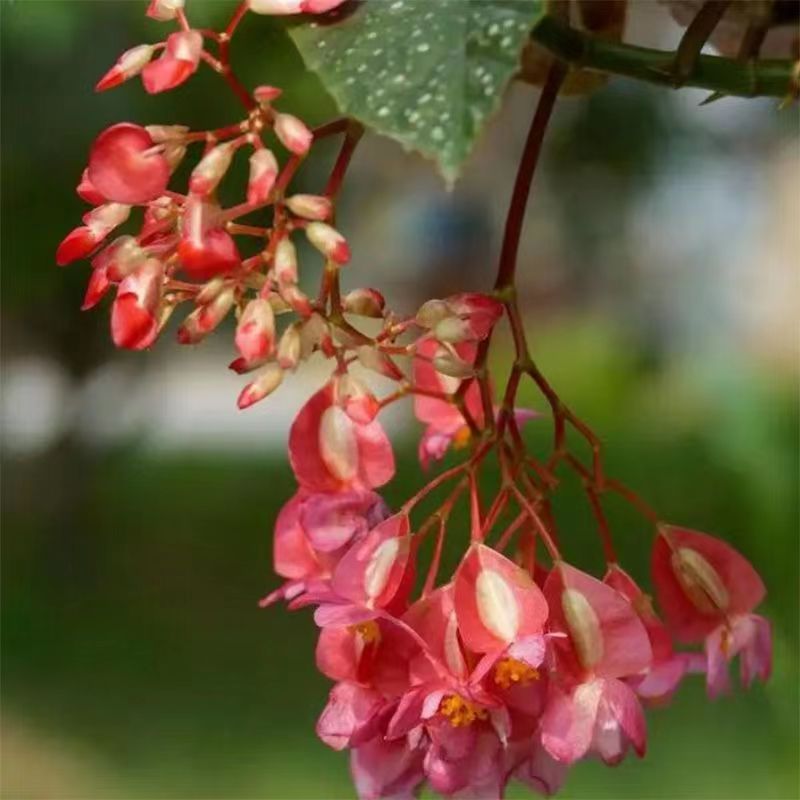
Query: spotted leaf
[427, 74]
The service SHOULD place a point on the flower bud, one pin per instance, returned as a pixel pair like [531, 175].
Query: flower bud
[263, 172]
[210, 290]
[364, 302]
[315, 333]
[98, 285]
[293, 134]
[289, 347]
[432, 312]
[358, 401]
[296, 298]
[266, 383]
[120, 258]
[453, 330]
[370, 357]
[103, 219]
[286, 262]
[164, 10]
[211, 168]
[264, 95]
[176, 64]
[130, 63]
[134, 313]
[167, 133]
[204, 319]
[255, 333]
[448, 363]
[328, 241]
[310, 206]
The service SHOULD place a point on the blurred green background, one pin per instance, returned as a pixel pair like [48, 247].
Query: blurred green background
[660, 264]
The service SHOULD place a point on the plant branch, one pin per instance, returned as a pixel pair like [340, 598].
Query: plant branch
[763, 78]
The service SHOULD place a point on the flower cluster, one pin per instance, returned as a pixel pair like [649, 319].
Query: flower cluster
[509, 668]
[517, 665]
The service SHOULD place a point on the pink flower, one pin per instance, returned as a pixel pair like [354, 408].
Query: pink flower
[329, 451]
[369, 576]
[708, 591]
[176, 64]
[667, 668]
[312, 533]
[464, 703]
[125, 167]
[603, 640]
[700, 581]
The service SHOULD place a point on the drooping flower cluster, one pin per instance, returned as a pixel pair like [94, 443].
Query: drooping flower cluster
[516, 666]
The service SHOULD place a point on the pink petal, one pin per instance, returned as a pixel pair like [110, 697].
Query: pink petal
[350, 717]
[292, 554]
[620, 640]
[568, 722]
[496, 601]
[332, 520]
[386, 769]
[620, 720]
[541, 772]
[371, 571]
[122, 168]
[337, 653]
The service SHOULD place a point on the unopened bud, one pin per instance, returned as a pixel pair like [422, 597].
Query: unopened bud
[370, 357]
[365, 302]
[164, 10]
[120, 258]
[204, 319]
[210, 169]
[210, 290]
[357, 400]
[328, 241]
[286, 262]
[130, 63]
[103, 219]
[264, 95]
[167, 133]
[432, 312]
[296, 298]
[263, 172]
[289, 347]
[315, 333]
[255, 333]
[453, 330]
[310, 206]
[448, 363]
[266, 383]
[293, 134]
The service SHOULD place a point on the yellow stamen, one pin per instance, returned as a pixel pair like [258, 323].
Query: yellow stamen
[461, 438]
[460, 712]
[511, 672]
[368, 631]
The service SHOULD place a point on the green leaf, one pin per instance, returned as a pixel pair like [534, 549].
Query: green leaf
[426, 73]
